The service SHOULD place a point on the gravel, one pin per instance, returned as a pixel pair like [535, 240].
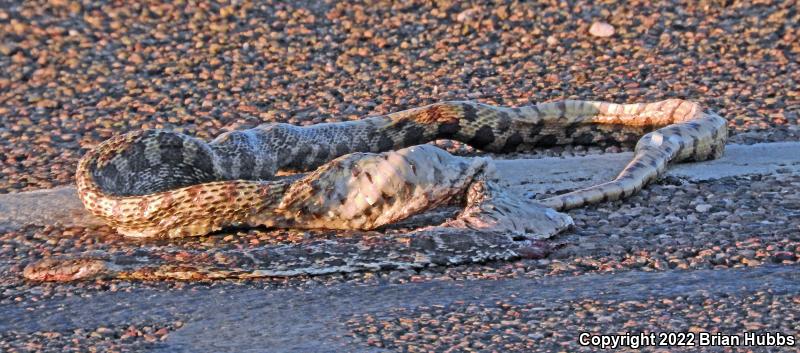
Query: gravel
[556, 325]
[75, 73]
[120, 338]
[657, 229]
[601, 29]
[72, 74]
[644, 233]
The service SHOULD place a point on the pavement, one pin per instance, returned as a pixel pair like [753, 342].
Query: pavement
[61, 206]
[236, 318]
[329, 317]
[715, 249]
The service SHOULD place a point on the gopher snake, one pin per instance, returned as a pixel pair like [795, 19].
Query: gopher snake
[372, 172]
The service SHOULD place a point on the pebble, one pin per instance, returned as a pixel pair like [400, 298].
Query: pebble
[703, 207]
[531, 328]
[345, 60]
[207, 61]
[601, 29]
[100, 339]
[783, 256]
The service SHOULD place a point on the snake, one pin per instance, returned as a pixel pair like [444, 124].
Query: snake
[369, 173]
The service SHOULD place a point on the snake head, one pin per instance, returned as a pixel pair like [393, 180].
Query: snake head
[57, 270]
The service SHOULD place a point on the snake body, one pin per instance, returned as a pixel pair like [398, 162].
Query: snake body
[372, 172]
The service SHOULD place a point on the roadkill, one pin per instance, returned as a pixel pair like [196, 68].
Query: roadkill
[260, 253]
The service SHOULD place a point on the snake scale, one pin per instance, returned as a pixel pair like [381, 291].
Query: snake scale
[370, 173]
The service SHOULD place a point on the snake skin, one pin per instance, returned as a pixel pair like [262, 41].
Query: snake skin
[373, 172]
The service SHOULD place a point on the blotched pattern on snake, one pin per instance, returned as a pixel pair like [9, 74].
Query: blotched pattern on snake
[372, 172]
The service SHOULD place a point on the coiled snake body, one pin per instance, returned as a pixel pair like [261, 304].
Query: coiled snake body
[375, 171]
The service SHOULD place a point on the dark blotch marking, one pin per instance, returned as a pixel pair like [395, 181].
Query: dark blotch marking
[300, 156]
[571, 130]
[321, 157]
[110, 181]
[483, 137]
[137, 162]
[342, 149]
[202, 163]
[504, 121]
[448, 130]
[631, 138]
[470, 113]
[362, 146]
[171, 147]
[413, 135]
[535, 129]
[247, 163]
[512, 143]
[368, 133]
[400, 124]
[585, 138]
[547, 141]
[385, 143]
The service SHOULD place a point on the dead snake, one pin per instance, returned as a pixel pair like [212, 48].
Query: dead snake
[372, 172]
